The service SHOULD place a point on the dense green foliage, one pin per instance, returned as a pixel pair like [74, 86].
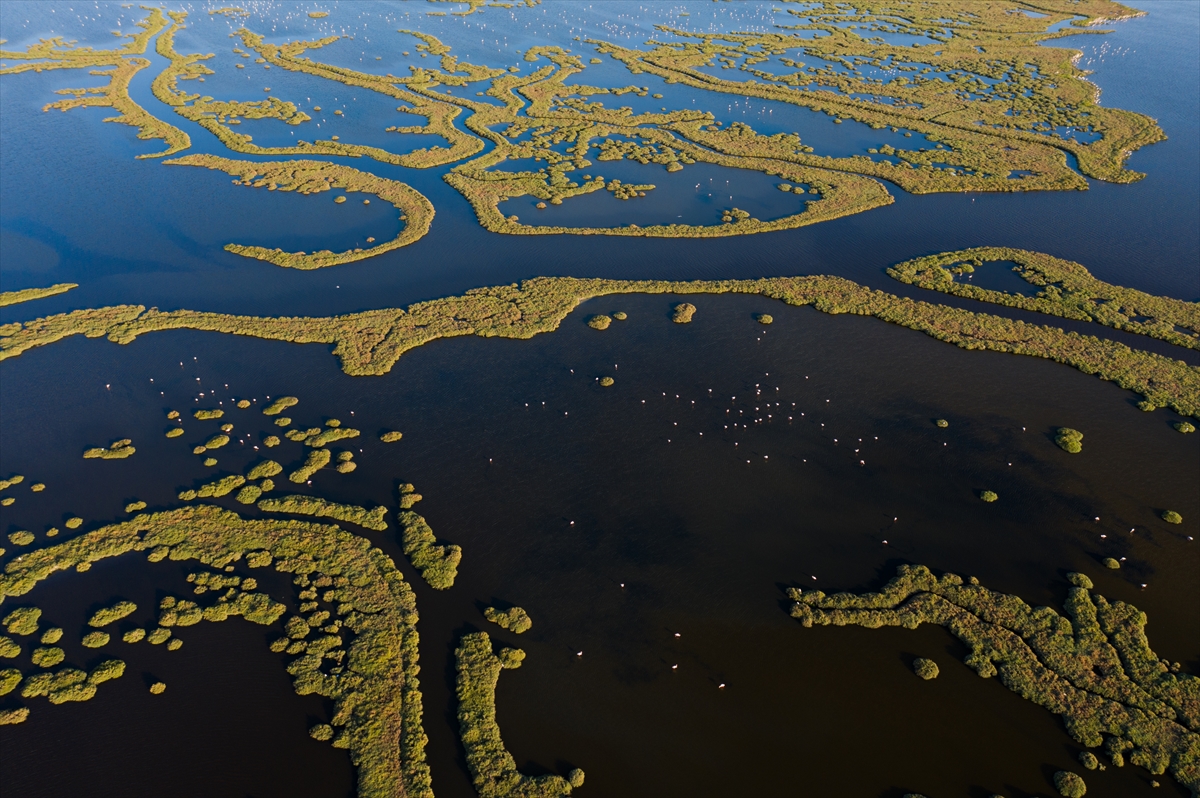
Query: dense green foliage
[683, 312]
[209, 415]
[1172, 517]
[1069, 785]
[492, 767]
[117, 450]
[1069, 440]
[1094, 668]
[515, 620]
[1068, 290]
[988, 495]
[438, 564]
[279, 405]
[317, 459]
[29, 294]
[599, 322]
[22, 621]
[391, 436]
[311, 505]
[925, 668]
[103, 617]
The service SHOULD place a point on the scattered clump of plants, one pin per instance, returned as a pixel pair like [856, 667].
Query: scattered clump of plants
[391, 436]
[103, 617]
[764, 318]
[317, 459]
[117, 450]
[925, 668]
[988, 495]
[1172, 517]
[599, 322]
[208, 415]
[683, 312]
[515, 620]
[1069, 440]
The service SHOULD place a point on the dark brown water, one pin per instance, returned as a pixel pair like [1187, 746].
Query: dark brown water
[702, 540]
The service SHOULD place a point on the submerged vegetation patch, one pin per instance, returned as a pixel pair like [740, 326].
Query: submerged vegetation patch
[1092, 667]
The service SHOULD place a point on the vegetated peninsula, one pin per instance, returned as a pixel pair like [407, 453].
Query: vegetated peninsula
[1094, 668]
[371, 342]
[29, 294]
[1068, 289]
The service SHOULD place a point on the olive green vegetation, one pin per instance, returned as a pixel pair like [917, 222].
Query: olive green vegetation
[1068, 290]
[1184, 427]
[9, 648]
[243, 403]
[7, 501]
[208, 415]
[133, 507]
[216, 441]
[1172, 517]
[1094, 668]
[391, 436]
[620, 315]
[992, 117]
[1069, 785]
[158, 688]
[38, 487]
[310, 177]
[493, 769]
[23, 620]
[174, 432]
[73, 522]
[71, 684]
[9, 717]
[925, 668]
[330, 435]
[117, 450]
[103, 617]
[95, 639]
[764, 318]
[311, 505]
[599, 322]
[21, 537]
[515, 620]
[215, 489]
[683, 312]
[134, 636]
[988, 495]
[438, 564]
[9, 679]
[943, 423]
[271, 441]
[282, 421]
[370, 678]
[29, 294]
[1069, 440]
[210, 461]
[51, 636]
[266, 468]
[1089, 760]
[279, 405]
[540, 305]
[1111, 563]
[48, 656]
[317, 459]
[15, 479]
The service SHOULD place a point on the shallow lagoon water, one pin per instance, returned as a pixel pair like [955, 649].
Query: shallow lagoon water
[703, 541]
